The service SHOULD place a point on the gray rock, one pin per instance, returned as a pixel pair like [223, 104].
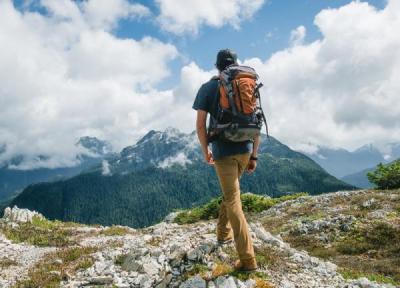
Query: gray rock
[171, 217]
[195, 282]
[222, 282]
[101, 280]
[18, 215]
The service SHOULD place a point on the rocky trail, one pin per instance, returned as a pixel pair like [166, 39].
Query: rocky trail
[163, 255]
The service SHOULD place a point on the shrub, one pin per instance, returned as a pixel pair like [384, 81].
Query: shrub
[250, 203]
[386, 176]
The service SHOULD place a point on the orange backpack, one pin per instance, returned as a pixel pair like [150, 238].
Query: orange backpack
[244, 87]
[240, 116]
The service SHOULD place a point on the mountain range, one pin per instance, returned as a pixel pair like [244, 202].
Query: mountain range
[352, 166]
[164, 171]
[13, 179]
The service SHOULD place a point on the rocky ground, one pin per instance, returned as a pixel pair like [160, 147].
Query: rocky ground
[35, 252]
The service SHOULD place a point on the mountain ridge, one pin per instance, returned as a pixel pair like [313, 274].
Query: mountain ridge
[140, 189]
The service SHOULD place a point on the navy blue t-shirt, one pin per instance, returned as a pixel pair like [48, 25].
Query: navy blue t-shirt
[205, 100]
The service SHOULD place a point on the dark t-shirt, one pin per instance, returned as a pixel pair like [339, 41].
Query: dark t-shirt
[206, 100]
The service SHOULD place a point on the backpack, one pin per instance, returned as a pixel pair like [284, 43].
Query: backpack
[239, 114]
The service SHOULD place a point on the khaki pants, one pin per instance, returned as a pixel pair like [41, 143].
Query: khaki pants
[231, 217]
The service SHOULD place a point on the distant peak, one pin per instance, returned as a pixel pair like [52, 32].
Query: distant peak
[367, 147]
[172, 130]
[94, 145]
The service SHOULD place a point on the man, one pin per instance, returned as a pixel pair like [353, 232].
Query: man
[230, 160]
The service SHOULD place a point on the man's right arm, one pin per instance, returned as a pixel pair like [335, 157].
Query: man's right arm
[202, 135]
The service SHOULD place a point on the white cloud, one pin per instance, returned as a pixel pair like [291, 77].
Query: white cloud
[297, 35]
[106, 13]
[186, 16]
[105, 168]
[63, 77]
[342, 90]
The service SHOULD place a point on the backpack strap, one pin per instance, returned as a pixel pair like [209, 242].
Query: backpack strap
[257, 94]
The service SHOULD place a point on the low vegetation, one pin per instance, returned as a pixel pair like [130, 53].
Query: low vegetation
[250, 203]
[41, 232]
[369, 246]
[6, 262]
[57, 266]
[115, 231]
[386, 176]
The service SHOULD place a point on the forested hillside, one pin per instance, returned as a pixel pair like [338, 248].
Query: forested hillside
[144, 196]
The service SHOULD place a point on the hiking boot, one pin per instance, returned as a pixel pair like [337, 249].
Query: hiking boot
[246, 265]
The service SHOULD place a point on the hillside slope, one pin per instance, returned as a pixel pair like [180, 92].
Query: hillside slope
[359, 179]
[172, 255]
[162, 172]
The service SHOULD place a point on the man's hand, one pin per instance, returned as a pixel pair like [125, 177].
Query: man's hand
[251, 167]
[208, 157]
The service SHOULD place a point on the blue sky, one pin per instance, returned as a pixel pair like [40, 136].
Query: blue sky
[266, 32]
[115, 69]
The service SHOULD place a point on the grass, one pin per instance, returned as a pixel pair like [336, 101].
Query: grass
[197, 269]
[221, 269]
[49, 273]
[267, 257]
[371, 248]
[378, 236]
[120, 259]
[6, 262]
[41, 232]
[115, 231]
[250, 203]
[379, 278]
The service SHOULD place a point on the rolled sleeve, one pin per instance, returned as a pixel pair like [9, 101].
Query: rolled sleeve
[202, 99]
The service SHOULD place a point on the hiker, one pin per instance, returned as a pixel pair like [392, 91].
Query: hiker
[230, 157]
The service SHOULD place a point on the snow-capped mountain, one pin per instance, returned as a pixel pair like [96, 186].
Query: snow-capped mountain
[160, 149]
[94, 145]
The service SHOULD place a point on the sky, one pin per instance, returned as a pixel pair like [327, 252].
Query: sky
[115, 69]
